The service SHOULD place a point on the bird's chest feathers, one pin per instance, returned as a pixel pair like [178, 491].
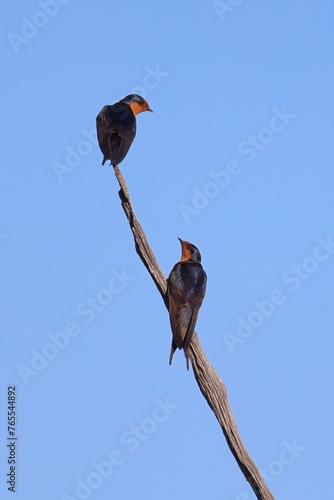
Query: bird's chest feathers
[185, 280]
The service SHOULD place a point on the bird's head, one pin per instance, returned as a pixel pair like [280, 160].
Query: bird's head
[189, 252]
[137, 103]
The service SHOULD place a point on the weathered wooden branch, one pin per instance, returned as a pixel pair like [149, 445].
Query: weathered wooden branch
[208, 380]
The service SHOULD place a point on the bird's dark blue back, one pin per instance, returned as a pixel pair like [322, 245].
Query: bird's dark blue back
[121, 115]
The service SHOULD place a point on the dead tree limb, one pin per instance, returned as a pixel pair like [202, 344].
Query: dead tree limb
[208, 380]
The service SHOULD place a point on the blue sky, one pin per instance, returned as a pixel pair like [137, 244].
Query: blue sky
[238, 159]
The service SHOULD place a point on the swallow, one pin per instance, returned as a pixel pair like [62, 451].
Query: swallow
[186, 290]
[116, 127]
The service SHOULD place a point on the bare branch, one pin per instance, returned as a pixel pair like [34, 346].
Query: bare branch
[208, 380]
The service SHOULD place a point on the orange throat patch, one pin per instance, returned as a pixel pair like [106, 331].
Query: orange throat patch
[136, 108]
[186, 254]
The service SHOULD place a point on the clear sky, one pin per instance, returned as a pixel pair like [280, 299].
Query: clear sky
[238, 159]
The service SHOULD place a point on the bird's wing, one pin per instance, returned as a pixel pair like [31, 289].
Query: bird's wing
[181, 318]
[195, 307]
[179, 315]
[103, 133]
